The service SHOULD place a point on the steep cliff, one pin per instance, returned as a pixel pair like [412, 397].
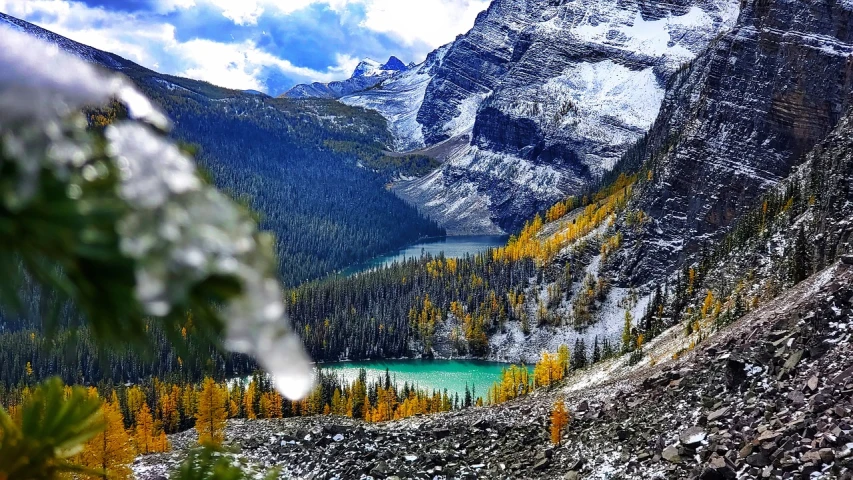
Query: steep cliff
[738, 119]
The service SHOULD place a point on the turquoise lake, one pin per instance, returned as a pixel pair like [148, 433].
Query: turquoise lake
[451, 247]
[427, 374]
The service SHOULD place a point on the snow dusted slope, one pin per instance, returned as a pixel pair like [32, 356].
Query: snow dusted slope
[551, 95]
[399, 100]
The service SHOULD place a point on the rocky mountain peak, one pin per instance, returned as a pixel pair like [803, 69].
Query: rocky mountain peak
[368, 73]
[366, 67]
[371, 68]
[394, 64]
[537, 100]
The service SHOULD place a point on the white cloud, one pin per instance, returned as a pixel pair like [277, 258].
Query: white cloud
[151, 41]
[431, 22]
[415, 22]
[122, 34]
[154, 44]
[241, 12]
[241, 65]
[167, 6]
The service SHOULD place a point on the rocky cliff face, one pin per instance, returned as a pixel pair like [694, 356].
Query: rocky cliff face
[739, 118]
[546, 95]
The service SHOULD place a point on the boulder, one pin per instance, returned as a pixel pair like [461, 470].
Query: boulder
[692, 437]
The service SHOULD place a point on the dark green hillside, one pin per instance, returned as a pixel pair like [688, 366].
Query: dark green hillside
[326, 209]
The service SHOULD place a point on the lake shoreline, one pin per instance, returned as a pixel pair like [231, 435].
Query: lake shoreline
[455, 246]
[456, 375]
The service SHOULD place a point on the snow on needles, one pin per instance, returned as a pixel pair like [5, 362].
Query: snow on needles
[177, 231]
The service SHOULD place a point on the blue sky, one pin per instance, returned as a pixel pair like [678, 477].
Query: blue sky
[267, 45]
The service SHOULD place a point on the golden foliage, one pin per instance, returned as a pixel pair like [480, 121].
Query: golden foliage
[111, 451]
[249, 400]
[211, 414]
[559, 420]
[529, 244]
[547, 370]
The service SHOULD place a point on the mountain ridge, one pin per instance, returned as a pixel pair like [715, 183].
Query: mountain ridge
[367, 74]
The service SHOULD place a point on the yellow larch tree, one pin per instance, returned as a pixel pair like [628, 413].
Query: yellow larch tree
[169, 415]
[563, 357]
[271, 403]
[211, 413]
[338, 403]
[111, 451]
[707, 304]
[264, 408]
[559, 420]
[188, 401]
[249, 400]
[144, 432]
[547, 370]
[135, 398]
[276, 403]
[235, 394]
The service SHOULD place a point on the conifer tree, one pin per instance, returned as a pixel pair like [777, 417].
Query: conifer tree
[607, 350]
[559, 420]
[579, 360]
[249, 400]
[144, 433]
[627, 334]
[799, 262]
[211, 415]
[596, 351]
[111, 451]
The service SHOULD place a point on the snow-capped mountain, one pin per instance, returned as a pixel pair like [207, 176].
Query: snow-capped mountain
[372, 68]
[399, 100]
[367, 74]
[547, 95]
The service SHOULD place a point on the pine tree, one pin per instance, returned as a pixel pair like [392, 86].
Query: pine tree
[596, 351]
[211, 415]
[799, 262]
[111, 451]
[607, 350]
[579, 360]
[468, 401]
[627, 334]
[559, 420]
